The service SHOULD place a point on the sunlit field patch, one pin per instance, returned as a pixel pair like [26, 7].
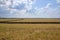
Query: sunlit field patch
[29, 31]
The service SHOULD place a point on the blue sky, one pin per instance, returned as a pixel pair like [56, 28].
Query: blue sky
[30, 8]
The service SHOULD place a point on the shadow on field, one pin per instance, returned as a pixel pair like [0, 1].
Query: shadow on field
[9, 22]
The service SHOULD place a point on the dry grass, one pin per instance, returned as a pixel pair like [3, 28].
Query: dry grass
[29, 31]
[31, 20]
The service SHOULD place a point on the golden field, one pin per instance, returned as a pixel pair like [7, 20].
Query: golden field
[30, 31]
[30, 20]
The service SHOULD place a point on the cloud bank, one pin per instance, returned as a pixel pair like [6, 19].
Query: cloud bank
[26, 9]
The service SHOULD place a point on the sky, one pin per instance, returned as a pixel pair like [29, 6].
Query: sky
[29, 8]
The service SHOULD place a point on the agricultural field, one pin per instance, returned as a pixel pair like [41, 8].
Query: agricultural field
[29, 20]
[29, 31]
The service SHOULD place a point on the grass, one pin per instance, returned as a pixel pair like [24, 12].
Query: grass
[29, 31]
[30, 20]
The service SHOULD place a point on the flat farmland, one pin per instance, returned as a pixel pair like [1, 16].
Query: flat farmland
[29, 31]
[29, 20]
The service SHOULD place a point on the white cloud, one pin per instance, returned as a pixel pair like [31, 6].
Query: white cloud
[28, 3]
[7, 4]
[48, 12]
[44, 12]
[58, 1]
[48, 5]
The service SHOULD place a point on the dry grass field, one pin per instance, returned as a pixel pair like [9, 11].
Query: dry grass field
[30, 31]
[30, 20]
